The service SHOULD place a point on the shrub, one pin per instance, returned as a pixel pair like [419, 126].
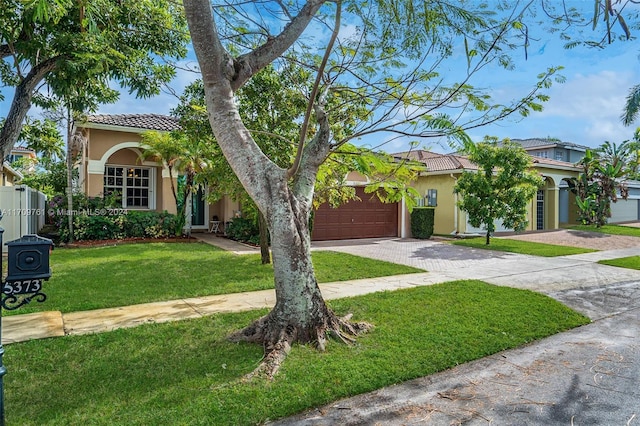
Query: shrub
[245, 230]
[97, 219]
[422, 219]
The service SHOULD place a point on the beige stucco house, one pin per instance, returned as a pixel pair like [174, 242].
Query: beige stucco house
[552, 207]
[110, 161]
[8, 175]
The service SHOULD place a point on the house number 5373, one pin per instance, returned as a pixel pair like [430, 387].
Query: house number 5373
[22, 287]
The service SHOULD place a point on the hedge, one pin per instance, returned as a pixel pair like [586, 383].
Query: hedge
[422, 220]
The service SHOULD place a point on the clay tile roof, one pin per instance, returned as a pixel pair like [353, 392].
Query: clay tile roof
[449, 162]
[438, 162]
[417, 155]
[542, 142]
[137, 121]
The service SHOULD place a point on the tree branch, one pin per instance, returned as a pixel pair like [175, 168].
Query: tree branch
[22, 102]
[314, 92]
[315, 152]
[250, 63]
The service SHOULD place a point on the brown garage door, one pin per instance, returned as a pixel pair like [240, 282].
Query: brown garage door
[368, 218]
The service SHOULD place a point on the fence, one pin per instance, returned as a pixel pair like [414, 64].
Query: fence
[23, 211]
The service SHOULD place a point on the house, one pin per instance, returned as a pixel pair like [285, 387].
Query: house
[9, 175]
[19, 152]
[551, 208]
[110, 161]
[550, 148]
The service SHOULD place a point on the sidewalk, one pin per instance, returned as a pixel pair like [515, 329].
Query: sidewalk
[19, 328]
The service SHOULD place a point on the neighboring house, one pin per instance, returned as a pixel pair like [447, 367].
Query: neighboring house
[111, 162]
[627, 210]
[9, 175]
[553, 149]
[551, 207]
[621, 211]
[20, 152]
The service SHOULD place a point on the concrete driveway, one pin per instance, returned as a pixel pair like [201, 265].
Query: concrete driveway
[586, 376]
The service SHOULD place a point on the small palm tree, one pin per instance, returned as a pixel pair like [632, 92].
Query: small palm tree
[623, 156]
[179, 154]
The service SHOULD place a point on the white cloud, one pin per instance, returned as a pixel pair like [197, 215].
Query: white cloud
[590, 96]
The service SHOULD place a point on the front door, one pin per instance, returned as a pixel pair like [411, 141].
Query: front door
[540, 210]
[198, 205]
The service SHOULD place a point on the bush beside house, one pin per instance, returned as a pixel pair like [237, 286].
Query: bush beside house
[422, 220]
[96, 219]
[243, 230]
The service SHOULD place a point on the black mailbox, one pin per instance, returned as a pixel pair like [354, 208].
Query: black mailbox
[28, 258]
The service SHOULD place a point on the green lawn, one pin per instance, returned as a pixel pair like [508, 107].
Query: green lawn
[103, 277]
[610, 229]
[521, 247]
[186, 373]
[631, 262]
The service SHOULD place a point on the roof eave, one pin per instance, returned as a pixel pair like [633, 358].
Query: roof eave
[116, 128]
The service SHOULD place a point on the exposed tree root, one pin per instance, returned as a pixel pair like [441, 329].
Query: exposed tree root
[278, 338]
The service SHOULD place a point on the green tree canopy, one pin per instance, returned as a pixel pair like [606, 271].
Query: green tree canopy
[82, 47]
[501, 189]
[43, 137]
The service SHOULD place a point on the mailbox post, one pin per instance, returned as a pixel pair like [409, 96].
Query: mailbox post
[27, 269]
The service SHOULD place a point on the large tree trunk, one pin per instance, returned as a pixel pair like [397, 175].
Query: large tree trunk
[300, 314]
[21, 103]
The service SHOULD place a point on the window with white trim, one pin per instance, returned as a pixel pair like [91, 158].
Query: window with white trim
[130, 185]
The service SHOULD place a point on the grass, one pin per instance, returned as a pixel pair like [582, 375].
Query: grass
[522, 247]
[631, 262]
[187, 373]
[104, 277]
[629, 231]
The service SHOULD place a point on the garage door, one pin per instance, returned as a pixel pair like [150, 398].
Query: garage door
[368, 218]
[624, 210]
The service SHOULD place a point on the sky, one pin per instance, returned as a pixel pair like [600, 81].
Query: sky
[585, 109]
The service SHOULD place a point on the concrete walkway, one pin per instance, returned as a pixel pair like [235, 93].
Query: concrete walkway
[585, 376]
